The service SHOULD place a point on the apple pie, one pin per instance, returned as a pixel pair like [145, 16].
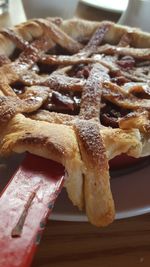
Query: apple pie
[76, 92]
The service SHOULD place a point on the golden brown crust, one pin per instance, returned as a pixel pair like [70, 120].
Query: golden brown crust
[118, 141]
[136, 120]
[53, 117]
[56, 142]
[78, 29]
[99, 203]
[81, 29]
[79, 142]
[30, 101]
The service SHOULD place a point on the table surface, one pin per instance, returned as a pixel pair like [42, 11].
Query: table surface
[123, 243]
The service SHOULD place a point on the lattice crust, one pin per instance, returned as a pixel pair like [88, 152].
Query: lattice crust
[77, 92]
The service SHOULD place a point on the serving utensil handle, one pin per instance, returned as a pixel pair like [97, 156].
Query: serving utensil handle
[25, 205]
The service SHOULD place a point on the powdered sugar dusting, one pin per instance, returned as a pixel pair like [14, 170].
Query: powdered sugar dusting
[90, 138]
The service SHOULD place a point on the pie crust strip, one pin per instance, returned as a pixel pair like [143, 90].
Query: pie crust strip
[98, 199]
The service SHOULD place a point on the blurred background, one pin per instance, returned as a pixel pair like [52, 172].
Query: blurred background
[128, 12]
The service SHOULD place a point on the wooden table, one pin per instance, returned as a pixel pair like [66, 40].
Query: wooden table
[125, 243]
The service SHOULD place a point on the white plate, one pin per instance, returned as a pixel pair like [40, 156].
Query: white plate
[114, 6]
[130, 192]
[131, 195]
